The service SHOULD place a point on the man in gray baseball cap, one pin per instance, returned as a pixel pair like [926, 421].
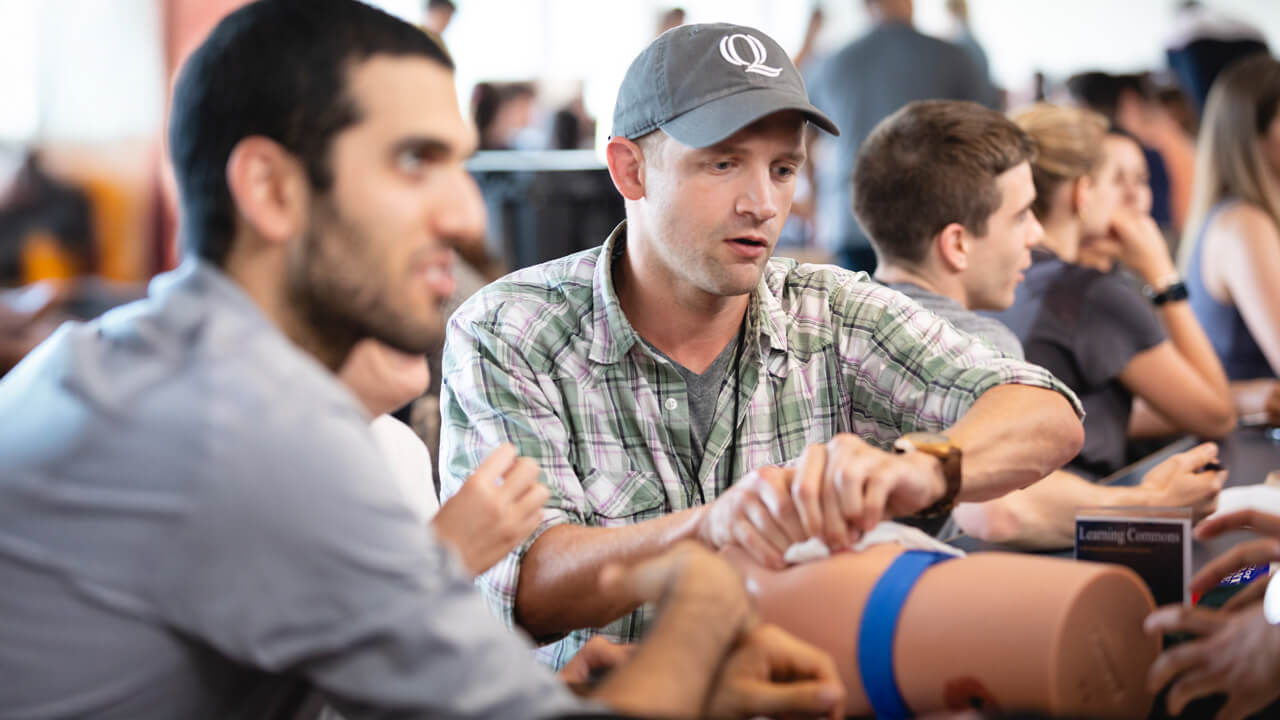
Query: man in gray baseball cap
[661, 379]
[702, 83]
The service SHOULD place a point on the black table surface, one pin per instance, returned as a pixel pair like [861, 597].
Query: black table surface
[1248, 453]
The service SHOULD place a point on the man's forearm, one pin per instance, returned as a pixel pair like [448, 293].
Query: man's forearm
[671, 672]
[1013, 436]
[559, 588]
[1042, 515]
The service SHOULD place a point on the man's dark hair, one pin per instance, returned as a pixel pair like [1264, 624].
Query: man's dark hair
[441, 5]
[278, 69]
[933, 163]
[1100, 92]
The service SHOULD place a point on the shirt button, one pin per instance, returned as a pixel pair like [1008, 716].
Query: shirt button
[671, 404]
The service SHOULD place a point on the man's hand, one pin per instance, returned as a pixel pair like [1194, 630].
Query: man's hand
[494, 511]
[758, 515]
[1237, 653]
[596, 656]
[1248, 554]
[773, 673]
[687, 574]
[1175, 482]
[1272, 404]
[846, 487]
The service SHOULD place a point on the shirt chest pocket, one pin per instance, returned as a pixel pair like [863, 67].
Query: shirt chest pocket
[618, 499]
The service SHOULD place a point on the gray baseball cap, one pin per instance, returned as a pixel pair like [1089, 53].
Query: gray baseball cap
[703, 83]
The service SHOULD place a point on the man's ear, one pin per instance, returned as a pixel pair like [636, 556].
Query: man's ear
[954, 244]
[626, 167]
[269, 188]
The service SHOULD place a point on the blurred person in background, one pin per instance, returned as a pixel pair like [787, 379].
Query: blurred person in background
[962, 34]
[865, 82]
[501, 112]
[1124, 169]
[1204, 41]
[1129, 103]
[1092, 329]
[437, 14]
[670, 18]
[1231, 249]
[46, 225]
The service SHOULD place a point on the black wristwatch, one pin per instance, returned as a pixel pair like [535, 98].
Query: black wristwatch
[1172, 292]
[941, 447]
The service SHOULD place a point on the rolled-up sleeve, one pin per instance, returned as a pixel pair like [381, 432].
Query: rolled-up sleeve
[909, 369]
[490, 395]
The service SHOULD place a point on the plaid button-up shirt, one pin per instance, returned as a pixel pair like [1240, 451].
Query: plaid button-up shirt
[545, 359]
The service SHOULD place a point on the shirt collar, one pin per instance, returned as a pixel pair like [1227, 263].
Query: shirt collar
[613, 334]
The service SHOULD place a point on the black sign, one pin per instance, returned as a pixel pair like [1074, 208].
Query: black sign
[1159, 550]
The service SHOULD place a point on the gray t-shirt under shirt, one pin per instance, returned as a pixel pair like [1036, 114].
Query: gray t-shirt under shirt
[703, 391]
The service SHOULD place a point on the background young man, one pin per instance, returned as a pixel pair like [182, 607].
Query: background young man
[944, 190]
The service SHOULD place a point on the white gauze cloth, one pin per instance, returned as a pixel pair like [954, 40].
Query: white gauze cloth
[884, 533]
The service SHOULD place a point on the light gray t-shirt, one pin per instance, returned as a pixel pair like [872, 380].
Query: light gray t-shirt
[195, 522]
[703, 391]
[987, 329]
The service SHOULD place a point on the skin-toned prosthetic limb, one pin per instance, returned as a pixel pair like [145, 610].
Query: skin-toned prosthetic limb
[996, 631]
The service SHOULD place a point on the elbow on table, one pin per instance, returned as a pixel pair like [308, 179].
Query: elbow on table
[1218, 421]
[992, 521]
[1070, 440]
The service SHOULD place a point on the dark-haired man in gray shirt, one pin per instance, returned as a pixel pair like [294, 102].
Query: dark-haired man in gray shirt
[195, 521]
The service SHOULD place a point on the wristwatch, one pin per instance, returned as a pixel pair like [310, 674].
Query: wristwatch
[1172, 292]
[941, 447]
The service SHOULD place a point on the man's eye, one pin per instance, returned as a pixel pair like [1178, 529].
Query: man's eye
[409, 161]
[785, 171]
[722, 165]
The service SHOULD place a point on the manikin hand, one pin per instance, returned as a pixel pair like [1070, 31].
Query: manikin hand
[1175, 483]
[846, 487]
[494, 511]
[756, 514]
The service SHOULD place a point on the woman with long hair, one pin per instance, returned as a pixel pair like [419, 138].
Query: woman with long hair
[1231, 250]
[1092, 329]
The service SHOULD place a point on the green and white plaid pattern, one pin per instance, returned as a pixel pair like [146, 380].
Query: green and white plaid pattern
[546, 360]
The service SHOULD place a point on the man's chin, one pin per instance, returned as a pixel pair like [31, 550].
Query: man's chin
[410, 338]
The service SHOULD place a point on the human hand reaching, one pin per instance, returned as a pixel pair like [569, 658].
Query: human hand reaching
[1178, 482]
[495, 509]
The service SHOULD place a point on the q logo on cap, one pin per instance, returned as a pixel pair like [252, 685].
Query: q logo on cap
[729, 51]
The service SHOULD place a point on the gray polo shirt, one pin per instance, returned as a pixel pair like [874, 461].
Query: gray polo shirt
[195, 522]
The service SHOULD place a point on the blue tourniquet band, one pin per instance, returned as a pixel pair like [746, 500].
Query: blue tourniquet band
[880, 624]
